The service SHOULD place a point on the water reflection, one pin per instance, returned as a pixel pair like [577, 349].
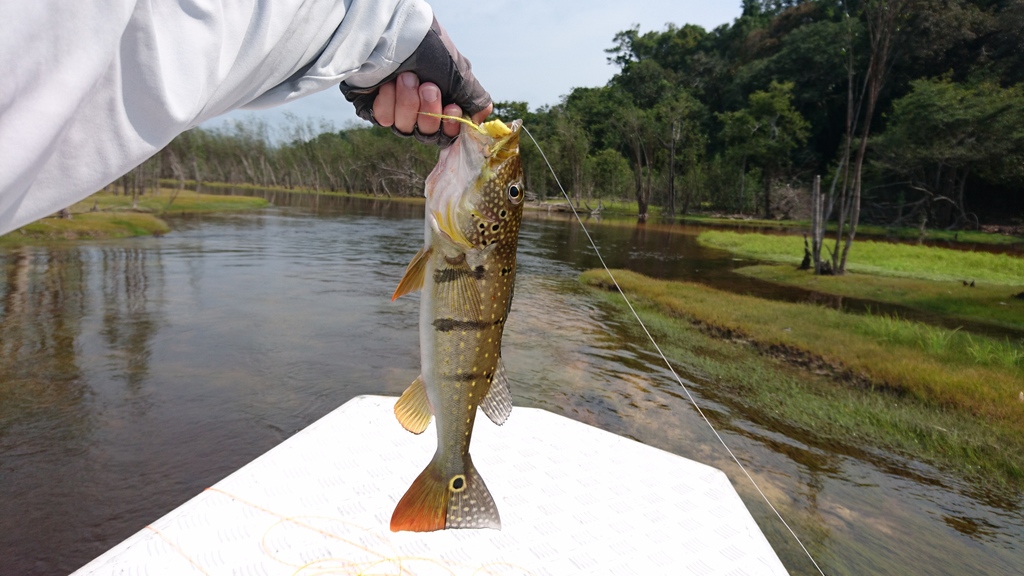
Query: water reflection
[76, 327]
[134, 374]
[44, 417]
[130, 319]
[43, 303]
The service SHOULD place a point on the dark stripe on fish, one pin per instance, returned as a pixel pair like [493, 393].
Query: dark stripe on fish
[467, 377]
[452, 274]
[449, 324]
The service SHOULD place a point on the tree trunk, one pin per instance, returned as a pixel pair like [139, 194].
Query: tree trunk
[743, 183]
[883, 21]
[198, 175]
[818, 228]
[672, 170]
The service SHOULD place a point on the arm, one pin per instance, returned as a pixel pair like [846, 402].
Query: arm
[93, 89]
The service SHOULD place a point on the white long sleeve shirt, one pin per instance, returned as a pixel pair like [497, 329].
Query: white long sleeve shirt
[89, 89]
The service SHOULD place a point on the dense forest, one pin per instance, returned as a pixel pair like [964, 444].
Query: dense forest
[911, 111]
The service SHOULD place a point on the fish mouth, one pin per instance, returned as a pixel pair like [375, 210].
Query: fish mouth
[508, 142]
[477, 152]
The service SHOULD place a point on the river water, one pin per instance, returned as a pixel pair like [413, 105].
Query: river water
[134, 374]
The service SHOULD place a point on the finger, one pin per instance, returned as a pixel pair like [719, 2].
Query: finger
[483, 114]
[451, 127]
[384, 105]
[430, 103]
[407, 101]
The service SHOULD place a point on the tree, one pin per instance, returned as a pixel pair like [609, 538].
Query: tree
[765, 133]
[637, 129]
[943, 133]
[572, 145]
[610, 173]
[677, 120]
[883, 19]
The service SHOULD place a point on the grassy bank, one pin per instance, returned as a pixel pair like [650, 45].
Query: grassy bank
[881, 258]
[105, 216]
[951, 236]
[937, 395]
[160, 204]
[297, 190]
[88, 226]
[626, 210]
[995, 304]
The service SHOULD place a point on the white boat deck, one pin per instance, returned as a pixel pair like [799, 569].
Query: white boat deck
[573, 500]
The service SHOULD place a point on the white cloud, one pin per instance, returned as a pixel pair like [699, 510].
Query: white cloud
[528, 50]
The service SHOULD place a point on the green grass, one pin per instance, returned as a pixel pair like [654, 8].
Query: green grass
[88, 226]
[298, 190]
[881, 258]
[954, 236]
[941, 395]
[160, 203]
[626, 209]
[994, 304]
[106, 216]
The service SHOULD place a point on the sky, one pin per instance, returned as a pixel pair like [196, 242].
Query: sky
[533, 51]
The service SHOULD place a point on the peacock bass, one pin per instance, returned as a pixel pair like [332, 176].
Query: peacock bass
[466, 270]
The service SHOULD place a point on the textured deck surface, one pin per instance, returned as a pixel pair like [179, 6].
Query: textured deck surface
[573, 500]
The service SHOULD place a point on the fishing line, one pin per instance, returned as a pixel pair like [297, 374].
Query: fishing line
[665, 358]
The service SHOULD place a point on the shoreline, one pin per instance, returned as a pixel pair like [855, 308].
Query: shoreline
[868, 383]
[108, 216]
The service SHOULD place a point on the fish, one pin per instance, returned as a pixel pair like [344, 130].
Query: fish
[466, 271]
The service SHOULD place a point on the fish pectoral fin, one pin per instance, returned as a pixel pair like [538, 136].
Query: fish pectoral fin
[414, 272]
[497, 404]
[413, 408]
[456, 289]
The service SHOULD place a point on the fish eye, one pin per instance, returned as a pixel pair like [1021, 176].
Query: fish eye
[515, 194]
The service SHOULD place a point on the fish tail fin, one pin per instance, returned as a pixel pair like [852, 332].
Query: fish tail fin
[472, 507]
[425, 503]
[434, 502]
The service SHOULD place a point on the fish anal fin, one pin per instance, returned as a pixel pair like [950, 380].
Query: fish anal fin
[424, 506]
[497, 404]
[473, 506]
[413, 408]
[414, 274]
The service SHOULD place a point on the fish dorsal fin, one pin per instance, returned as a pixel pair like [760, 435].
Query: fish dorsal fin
[413, 408]
[413, 278]
[497, 404]
[455, 288]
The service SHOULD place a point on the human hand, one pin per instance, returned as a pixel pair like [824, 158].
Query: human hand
[434, 79]
[399, 103]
